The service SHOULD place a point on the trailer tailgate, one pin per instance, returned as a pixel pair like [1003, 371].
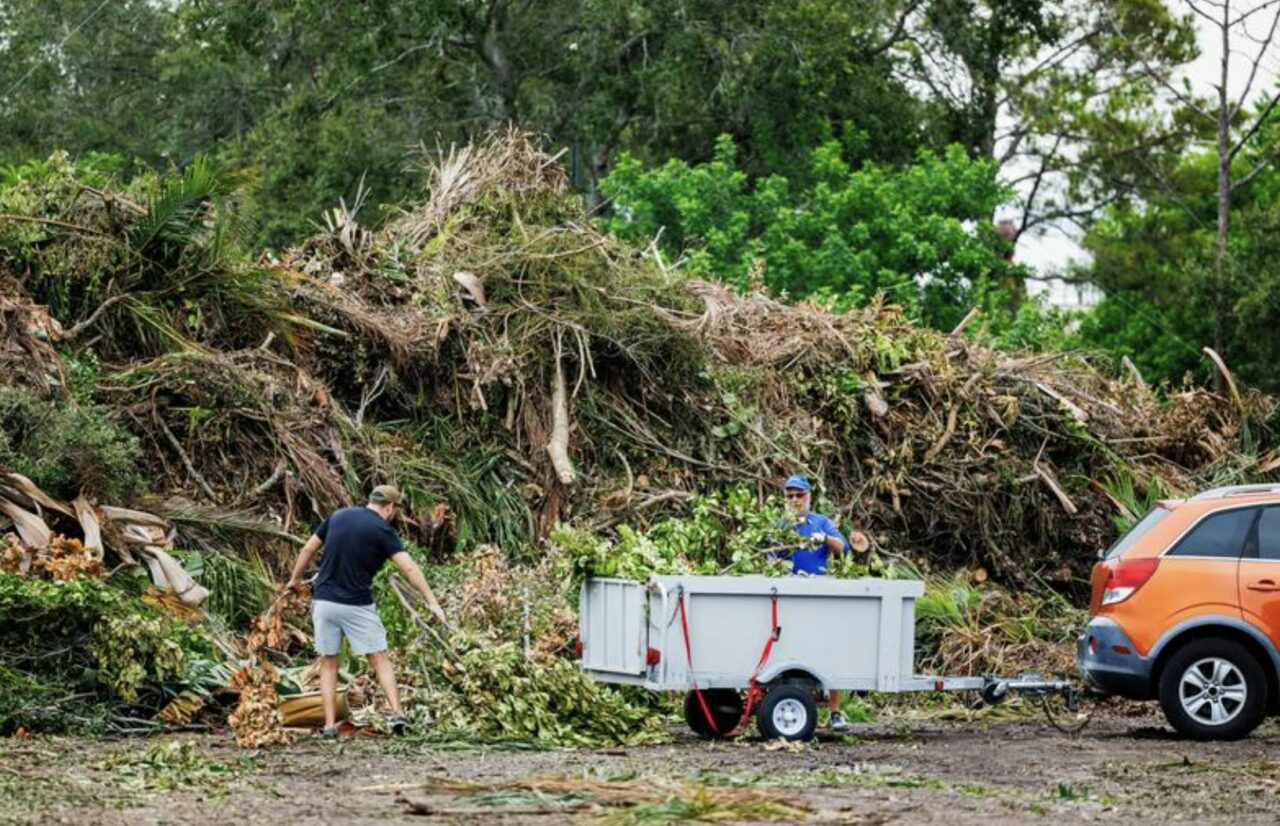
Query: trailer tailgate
[614, 626]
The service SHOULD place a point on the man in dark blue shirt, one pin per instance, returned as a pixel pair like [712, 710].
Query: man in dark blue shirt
[822, 539]
[357, 542]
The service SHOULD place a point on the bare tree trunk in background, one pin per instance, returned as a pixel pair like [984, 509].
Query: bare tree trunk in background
[1224, 196]
[1229, 143]
[493, 51]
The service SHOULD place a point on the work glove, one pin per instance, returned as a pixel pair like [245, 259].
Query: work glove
[817, 539]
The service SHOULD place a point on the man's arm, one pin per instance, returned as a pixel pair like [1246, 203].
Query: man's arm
[414, 574]
[836, 543]
[304, 559]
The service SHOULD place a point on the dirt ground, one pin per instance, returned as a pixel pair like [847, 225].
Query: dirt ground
[910, 771]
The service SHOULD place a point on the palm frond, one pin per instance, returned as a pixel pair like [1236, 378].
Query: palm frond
[211, 528]
[180, 214]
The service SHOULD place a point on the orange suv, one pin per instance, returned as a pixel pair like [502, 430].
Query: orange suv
[1186, 609]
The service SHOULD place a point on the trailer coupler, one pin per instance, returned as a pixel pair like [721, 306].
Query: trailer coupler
[995, 690]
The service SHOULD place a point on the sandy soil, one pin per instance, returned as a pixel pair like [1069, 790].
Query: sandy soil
[907, 772]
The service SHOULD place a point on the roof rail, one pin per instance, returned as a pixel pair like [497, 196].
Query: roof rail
[1236, 490]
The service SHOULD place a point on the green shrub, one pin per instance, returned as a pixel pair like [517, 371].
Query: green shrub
[68, 447]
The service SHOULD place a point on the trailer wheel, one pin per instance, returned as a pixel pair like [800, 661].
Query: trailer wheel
[726, 709]
[995, 692]
[787, 711]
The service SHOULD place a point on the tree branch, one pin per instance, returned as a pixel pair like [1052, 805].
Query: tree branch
[1251, 12]
[1257, 124]
[1035, 188]
[182, 455]
[1257, 61]
[1252, 173]
[1215, 21]
[1168, 86]
[896, 35]
[69, 336]
[1061, 55]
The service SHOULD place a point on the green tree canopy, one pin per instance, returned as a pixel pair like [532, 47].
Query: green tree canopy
[922, 234]
[1155, 261]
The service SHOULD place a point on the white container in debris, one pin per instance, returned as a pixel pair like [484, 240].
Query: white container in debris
[709, 636]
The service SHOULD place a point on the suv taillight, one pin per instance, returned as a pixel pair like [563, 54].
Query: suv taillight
[1126, 577]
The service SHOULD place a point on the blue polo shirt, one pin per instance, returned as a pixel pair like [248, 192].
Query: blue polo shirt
[810, 560]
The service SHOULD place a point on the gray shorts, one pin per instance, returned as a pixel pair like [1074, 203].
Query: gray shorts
[360, 624]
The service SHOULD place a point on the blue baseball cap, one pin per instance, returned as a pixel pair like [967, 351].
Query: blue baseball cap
[797, 482]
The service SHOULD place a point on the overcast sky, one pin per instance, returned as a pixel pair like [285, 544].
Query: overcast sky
[1054, 250]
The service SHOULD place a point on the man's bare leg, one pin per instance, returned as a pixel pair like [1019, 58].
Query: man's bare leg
[329, 689]
[381, 665]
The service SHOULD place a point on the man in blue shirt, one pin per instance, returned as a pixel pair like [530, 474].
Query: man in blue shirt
[357, 541]
[822, 539]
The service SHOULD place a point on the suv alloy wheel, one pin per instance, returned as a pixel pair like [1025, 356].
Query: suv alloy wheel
[1213, 689]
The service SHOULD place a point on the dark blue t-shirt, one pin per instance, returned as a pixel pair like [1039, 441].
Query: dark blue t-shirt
[356, 543]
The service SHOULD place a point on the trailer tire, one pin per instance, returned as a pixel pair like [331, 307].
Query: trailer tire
[788, 711]
[726, 709]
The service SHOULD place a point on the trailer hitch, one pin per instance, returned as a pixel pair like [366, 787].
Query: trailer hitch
[996, 690]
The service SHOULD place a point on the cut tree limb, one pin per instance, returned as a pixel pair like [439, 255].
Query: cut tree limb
[1078, 412]
[1134, 374]
[558, 445]
[1051, 482]
[875, 402]
[72, 334]
[964, 322]
[947, 433]
[1226, 374]
[90, 525]
[276, 476]
[402, 594]
[1097, 488]
[186, 460]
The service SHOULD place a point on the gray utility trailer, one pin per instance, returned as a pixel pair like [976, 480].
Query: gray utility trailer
[780, 639]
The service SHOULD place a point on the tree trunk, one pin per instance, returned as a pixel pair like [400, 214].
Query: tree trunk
[494, 54]
[1224, 197]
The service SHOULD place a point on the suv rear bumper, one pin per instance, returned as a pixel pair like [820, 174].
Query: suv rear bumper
[1101, 657]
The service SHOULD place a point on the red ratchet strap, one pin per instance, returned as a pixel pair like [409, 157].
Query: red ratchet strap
[754, 692]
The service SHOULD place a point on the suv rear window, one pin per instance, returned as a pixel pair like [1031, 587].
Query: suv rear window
[1137, 531]
[1218, 534]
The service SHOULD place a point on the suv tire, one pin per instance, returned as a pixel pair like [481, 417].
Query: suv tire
[1213, 689]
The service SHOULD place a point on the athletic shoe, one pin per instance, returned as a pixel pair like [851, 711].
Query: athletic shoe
[838, 723]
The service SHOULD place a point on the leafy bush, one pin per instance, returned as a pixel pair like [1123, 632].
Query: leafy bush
[68, 447]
